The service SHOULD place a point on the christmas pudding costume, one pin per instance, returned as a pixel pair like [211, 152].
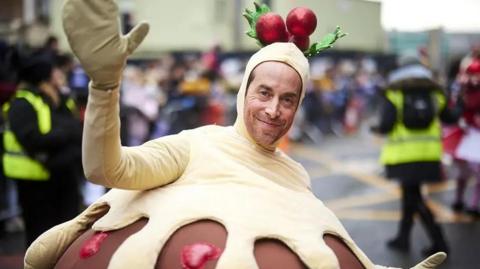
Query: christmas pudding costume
[212, 176]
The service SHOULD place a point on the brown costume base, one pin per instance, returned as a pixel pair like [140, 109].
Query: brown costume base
[269, 253]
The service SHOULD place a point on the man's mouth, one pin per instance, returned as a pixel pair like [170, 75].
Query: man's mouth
[270, 123]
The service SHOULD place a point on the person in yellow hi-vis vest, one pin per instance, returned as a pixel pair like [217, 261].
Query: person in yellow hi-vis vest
[42, 148]
[411, 114]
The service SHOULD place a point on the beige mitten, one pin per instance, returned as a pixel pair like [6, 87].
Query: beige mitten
[432, 261]
[429, 263]
[45, 251]
[93, 33]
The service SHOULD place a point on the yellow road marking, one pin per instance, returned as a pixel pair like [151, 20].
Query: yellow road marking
[348, 207]
[360, 200]
[365, 214]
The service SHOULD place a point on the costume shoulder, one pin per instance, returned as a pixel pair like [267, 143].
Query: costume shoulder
[219, 134]
[298, 167]
[212, 128]
[206, 129]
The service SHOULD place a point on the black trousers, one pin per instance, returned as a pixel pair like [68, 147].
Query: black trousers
[47, 203]
[413, 203]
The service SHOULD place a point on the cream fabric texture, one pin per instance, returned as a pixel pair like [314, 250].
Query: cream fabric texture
[262, 192]
[93, 33]
[212, 172]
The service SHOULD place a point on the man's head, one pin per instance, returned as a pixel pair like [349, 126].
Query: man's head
[36, 69]
[276, 77]
[271, 101]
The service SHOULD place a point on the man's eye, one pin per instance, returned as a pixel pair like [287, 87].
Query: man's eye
[264, 93]
[288, 101]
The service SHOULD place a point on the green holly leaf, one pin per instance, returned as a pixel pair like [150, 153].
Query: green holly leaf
[327, 42]
[252, 18]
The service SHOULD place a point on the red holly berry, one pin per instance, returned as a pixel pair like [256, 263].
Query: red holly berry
[270, 28]
[302, 42]
[301, 21]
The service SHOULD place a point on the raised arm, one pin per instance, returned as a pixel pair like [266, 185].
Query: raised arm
[93, 33]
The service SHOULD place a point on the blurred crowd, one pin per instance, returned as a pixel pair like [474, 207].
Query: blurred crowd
[178, 91]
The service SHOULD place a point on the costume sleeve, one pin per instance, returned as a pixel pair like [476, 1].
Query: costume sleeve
[106, 162]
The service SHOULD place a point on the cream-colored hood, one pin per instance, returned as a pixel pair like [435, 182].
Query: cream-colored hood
[280, 52]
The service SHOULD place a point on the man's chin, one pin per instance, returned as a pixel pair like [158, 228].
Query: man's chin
[268, 141]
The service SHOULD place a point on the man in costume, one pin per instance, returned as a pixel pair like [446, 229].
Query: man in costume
[234, 175]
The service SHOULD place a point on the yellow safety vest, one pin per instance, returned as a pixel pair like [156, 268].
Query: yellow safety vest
[405, 145]
[70, 103]
[17, 164]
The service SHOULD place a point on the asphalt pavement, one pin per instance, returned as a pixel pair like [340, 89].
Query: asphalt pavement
[348, 178]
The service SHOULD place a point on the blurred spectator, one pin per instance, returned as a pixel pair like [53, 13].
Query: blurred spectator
[211, 62]
[410, 116]
[42, 147]
[9, 60]
[78, 84]
[466, 154]
[466, 61]
[141, 98]
[50, 47]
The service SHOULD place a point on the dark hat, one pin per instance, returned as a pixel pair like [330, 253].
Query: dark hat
[36, 68]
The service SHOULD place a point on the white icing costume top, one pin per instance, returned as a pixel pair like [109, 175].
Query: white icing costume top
[212, 172]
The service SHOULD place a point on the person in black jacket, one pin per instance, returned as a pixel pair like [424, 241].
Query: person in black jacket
[411, 111]
[43, 148]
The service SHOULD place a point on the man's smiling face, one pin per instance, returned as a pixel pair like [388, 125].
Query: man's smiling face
[271, 101]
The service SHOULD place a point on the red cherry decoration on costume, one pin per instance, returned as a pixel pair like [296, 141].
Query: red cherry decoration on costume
[195, 256]
[302, 42]
[267, 27]
[91, 246]
[270, 28]
[301, 22]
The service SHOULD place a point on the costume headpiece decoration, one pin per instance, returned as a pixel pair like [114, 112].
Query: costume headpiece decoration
[474, 67]
[471, 79]
[268, 27]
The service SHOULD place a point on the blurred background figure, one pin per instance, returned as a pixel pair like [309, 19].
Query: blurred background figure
[141, 98]
[211, 62]
[466, 153]
[410, 115]
[42, 146]
[50, 47]
[9, 61]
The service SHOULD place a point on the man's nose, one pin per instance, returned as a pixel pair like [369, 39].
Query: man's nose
[272, 109]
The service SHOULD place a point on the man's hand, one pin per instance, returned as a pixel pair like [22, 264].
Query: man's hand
[93, 33]
[432, 261]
